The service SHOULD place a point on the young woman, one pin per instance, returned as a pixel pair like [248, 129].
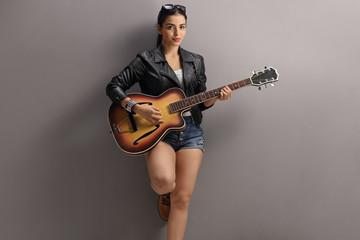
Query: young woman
[173, 164]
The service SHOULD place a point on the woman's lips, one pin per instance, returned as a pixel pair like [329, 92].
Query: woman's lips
[177, 39]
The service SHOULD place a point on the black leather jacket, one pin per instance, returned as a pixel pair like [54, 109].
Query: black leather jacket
[151, 70]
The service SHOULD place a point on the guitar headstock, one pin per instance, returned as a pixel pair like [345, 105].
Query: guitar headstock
[263, 77]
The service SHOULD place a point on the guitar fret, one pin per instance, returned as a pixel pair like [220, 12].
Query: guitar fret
[213, 92]
[247, 81]
[187, 103]
[181, 104]
[208, 95]
[211, 96]
[171, 107]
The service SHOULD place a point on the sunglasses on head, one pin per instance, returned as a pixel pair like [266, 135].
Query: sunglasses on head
[172, 6]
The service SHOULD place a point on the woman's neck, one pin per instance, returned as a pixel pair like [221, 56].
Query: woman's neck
[171, 51]
[172, 56]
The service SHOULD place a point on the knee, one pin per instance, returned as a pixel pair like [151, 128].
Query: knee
[162, 185]
[180, 200]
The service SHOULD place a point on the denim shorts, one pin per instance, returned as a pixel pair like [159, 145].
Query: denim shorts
[190, 137]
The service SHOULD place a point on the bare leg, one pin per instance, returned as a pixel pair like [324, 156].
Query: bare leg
[188, 162]
[160, 163]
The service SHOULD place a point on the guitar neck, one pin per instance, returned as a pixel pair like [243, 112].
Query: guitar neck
[189, 102]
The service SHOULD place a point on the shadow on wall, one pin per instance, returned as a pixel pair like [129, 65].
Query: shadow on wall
[94, 188]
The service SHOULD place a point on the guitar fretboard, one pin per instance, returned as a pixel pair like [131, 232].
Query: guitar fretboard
[189, 102]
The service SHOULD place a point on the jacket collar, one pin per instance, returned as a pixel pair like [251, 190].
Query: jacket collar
[160, 56]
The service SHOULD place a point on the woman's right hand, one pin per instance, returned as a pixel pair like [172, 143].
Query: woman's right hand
[150, 113]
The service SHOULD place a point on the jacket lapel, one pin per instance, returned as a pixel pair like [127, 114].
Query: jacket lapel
[187, 65]
[165, 69]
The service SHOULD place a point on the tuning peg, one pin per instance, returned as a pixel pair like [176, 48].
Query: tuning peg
[254, 72]
[272, 84]
[259, 88]
[265, 67]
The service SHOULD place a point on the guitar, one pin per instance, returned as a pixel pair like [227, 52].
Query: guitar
[134, 135]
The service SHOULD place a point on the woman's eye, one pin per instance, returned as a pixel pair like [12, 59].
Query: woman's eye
[173, 27]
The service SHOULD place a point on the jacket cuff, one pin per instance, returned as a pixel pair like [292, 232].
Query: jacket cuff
[203, 107]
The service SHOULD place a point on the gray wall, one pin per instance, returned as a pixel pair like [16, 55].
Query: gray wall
[281, 163]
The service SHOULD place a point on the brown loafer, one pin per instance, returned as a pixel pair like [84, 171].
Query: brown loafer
[164, 206]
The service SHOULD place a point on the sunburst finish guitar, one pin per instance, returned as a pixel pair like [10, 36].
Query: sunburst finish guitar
[134, 135]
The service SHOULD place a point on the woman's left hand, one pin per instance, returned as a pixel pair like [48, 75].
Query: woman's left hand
[225, 93]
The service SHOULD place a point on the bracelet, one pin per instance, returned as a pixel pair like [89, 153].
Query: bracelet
[129, 106]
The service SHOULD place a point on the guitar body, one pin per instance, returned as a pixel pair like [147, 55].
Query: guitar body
[135, 135]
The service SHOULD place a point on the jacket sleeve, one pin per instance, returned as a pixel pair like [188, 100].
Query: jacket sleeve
[201, 81]
[125, 79]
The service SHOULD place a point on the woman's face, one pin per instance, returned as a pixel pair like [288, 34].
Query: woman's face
[173, 30]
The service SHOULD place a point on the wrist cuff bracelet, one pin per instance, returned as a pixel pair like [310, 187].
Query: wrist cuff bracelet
[129, 106]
